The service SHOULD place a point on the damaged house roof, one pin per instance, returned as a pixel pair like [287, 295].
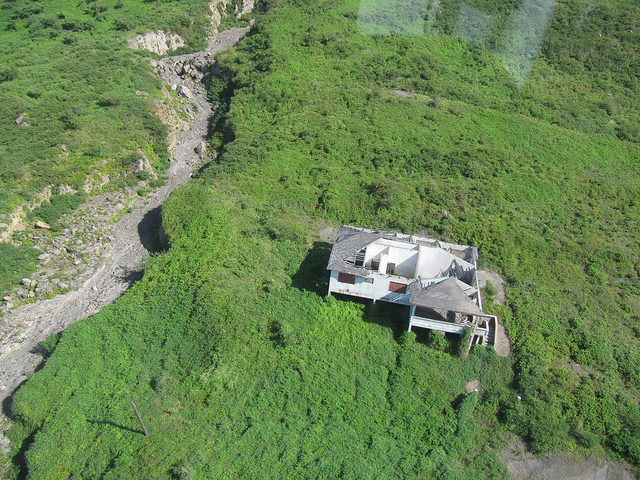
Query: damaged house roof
[445, 295]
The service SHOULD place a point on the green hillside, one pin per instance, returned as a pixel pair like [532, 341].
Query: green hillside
[67, 72]
[239, 365]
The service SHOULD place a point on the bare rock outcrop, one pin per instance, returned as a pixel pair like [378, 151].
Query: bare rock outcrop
[158, 42]
[143, 165]
[522, 465]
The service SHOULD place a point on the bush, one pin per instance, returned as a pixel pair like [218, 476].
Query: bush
[50, 212]
[15, 261]
[7, 74]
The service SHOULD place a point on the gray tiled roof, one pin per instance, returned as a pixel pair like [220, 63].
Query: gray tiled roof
[445, 295]
[349, 242]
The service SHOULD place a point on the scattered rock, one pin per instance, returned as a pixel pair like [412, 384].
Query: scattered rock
[580, 370]
[185, 91]
[43, 256]
[63, 285]
[404, 93]
[472, 386]
[3, 225]
[153, 63]
[94, 288]
[174, 87]
[41, 224]
[62, 189]
[143, 164]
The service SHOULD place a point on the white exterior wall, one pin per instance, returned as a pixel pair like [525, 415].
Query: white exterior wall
[405, 261]
[378, 290]
[434, 261]
[403, 255]
[373, 251]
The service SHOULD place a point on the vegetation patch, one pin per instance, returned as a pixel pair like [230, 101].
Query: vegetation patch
[52, 210]
[68, 74]
[15, 261]
[239, 365]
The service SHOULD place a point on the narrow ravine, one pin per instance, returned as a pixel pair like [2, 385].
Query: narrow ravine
[32, 323]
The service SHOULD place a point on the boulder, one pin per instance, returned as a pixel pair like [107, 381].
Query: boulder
[153, 63]
[19, 119]
[43, 256]
[43, 225]
[27, 282]
[201, 149]
[472, 386]
[7, 298]
[185, 91]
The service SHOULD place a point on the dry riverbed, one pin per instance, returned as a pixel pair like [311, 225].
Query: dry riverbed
[104, 264]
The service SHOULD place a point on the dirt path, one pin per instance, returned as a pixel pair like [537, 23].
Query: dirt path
[523, 465]
[31, 323]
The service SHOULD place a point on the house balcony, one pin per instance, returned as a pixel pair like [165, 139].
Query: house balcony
[440, 325]
[480, 326]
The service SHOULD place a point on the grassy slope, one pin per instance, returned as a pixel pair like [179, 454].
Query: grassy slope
[66, 66]
[239, 365]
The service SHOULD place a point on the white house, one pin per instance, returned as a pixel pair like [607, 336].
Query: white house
[437, 280]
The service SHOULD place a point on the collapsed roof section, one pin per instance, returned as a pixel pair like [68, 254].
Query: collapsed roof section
[357, 251]
[437, 280]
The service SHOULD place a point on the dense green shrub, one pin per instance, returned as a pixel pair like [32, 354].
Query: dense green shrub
[51, 211]
[78, 86]
[239, 365]
[15, 261]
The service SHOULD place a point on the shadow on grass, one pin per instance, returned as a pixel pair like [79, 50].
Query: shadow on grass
[20, 458]
[313, 275]
[150, 231]
[390, 315]
[117, 425]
